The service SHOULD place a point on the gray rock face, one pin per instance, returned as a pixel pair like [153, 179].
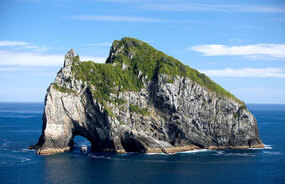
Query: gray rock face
[181, 115]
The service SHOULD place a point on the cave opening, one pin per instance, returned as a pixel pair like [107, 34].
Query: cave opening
[81, 144]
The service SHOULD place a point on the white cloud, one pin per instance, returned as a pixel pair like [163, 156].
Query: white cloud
[19, 45]
[13, 58]
[246, 72]
[35, 48]
[185, 6]
[273, 50]
[10, 58]
[260, 9]
[114, 18]
[12, 43]
[9, 69]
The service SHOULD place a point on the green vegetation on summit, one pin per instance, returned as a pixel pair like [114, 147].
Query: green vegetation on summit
[130, 62]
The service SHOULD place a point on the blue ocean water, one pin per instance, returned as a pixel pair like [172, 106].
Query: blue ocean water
[20, 126]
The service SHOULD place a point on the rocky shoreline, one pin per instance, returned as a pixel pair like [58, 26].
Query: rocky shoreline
[155, 150]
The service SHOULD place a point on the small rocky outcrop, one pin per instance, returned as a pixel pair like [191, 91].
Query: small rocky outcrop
[141, 100]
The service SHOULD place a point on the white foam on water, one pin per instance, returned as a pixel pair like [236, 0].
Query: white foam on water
[265, 147]
[24, 159]
[272, 153]
[183, 152]
[23, 150]
[98, 157]
[5, 144]
[17, 151]
[219, 152]
[233, 154]
[195, 151]
[27, 150]
[240, 154]
[158, 153]
[256, 148]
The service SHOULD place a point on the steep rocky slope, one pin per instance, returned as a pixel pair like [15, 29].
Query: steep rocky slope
[141, 100]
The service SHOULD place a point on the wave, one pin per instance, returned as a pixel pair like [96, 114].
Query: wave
[196, 151]
[24, 159]
[266, 146]
[181, 152]
[28, 150]
[272, 153]
[23, 150]
[240, 154]
[98, 157]
[158, 153]
[13, 159]
[225, 153]
[5, 144]
[231, 154]
[219, 153]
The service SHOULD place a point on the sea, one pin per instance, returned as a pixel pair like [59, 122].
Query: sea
[21, 124]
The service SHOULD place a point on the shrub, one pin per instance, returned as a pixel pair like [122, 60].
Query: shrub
[138, 110]
[62, 89]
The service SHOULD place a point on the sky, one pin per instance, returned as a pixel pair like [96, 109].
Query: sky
[238, 44]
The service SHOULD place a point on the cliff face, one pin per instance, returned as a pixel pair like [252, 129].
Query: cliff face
[141, 100]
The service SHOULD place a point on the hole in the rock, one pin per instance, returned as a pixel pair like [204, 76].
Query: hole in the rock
[81, 144]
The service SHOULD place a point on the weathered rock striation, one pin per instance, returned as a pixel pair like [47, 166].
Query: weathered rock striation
[141, 100]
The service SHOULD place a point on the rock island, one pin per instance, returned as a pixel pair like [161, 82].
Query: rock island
[142, 100]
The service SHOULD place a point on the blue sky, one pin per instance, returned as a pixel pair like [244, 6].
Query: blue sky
[239, 44]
